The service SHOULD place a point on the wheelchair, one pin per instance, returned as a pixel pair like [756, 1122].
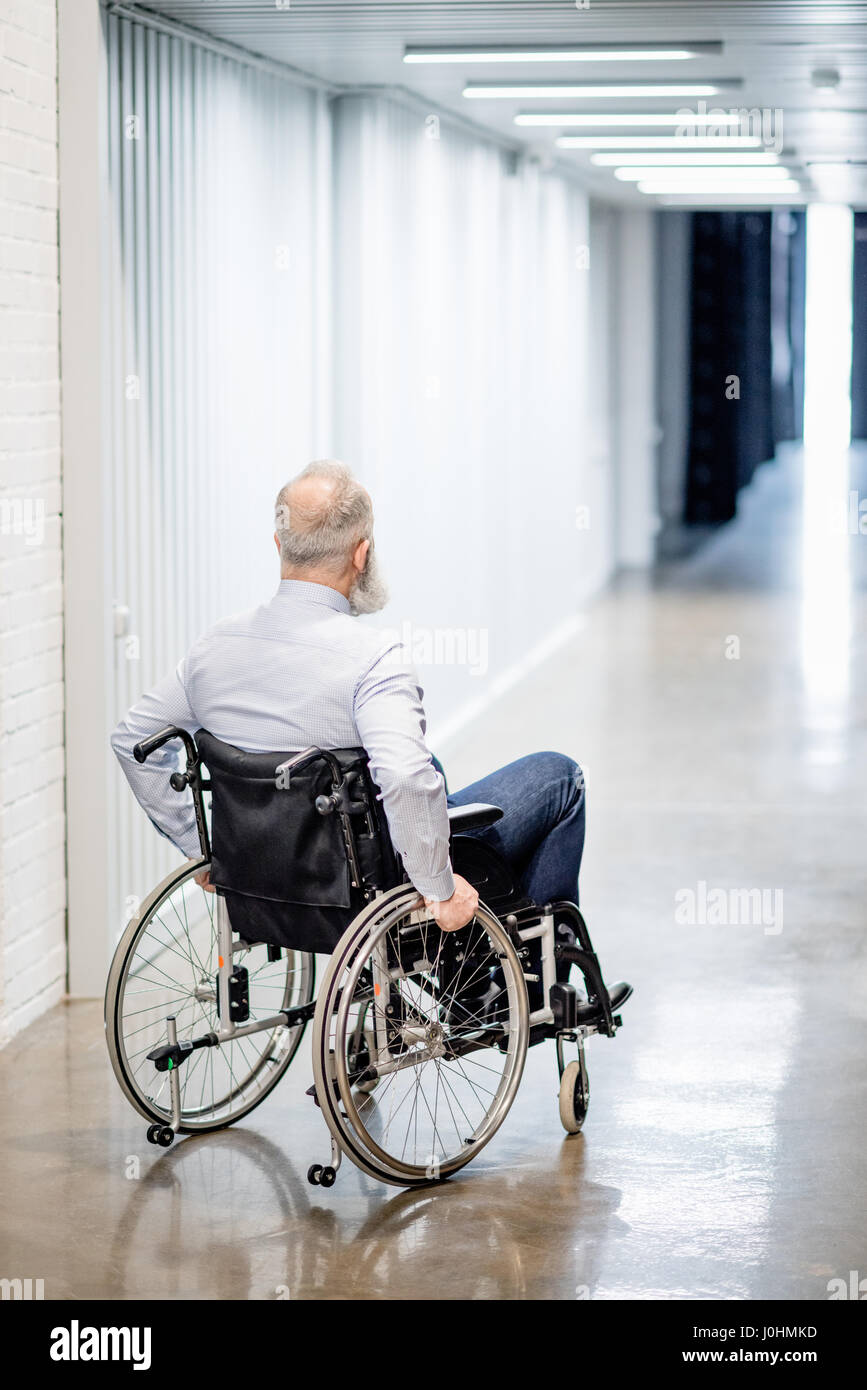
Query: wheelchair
[419, 1036]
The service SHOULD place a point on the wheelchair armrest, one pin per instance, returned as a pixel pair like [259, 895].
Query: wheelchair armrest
[473, 816]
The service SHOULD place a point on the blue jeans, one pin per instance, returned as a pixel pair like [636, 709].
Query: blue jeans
[541, 834]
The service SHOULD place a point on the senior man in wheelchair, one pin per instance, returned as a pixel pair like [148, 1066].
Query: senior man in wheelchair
[299, 671]
[344, 843]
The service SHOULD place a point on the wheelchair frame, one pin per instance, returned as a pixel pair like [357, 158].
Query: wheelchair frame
[561, 1015]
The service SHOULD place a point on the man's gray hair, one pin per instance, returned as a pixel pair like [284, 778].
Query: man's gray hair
[325, 534]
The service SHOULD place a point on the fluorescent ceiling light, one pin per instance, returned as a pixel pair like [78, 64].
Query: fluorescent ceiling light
[720, 199]
[701, 173]
[672, 159]
[590, 118]
[601, 53]
[671, 185]
[592, 90]
[659, 142]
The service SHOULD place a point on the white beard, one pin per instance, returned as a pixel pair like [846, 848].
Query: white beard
[369, 593]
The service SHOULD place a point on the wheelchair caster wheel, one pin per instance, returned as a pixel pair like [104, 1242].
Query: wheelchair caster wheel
[161, 1134]
[574, 1097]
[153, 1131]
[327, 1176]
[314, 1174]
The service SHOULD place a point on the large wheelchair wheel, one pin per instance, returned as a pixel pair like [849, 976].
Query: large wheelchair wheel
[166, 963]
[444, 1017]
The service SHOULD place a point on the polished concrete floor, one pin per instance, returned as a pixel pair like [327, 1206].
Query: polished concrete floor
[724, 1155]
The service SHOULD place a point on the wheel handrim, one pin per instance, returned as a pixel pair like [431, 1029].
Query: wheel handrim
[450, 1105]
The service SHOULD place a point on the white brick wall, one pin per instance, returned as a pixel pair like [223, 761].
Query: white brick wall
[32, 848]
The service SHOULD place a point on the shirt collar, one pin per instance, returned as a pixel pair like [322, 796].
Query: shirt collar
[314, 593]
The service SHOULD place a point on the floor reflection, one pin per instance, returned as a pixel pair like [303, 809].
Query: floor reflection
[230, 1216]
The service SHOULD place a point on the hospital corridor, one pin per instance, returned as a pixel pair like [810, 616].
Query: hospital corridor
[444, 883]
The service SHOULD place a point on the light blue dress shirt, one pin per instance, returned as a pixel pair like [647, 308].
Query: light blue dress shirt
[297, 671]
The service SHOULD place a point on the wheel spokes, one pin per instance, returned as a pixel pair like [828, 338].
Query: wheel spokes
[172, 970]
[450, 1051]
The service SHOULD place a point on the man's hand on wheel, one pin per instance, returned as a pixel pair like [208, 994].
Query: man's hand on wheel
[455, 912]
[203, 879]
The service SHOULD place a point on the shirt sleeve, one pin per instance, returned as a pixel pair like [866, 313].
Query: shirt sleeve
[391, 723]
[171, 812]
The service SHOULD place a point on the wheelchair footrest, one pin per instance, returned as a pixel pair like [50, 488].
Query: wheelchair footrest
[591, 1011]
[619, 993]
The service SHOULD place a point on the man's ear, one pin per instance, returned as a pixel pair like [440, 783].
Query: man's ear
[359, 559]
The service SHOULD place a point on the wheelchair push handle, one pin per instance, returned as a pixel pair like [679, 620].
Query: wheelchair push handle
[295, 764]
[181, 780]
[338, 777]
[142, 751]
[342, 782]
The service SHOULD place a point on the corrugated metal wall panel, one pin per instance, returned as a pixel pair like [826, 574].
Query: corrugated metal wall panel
[219, 178]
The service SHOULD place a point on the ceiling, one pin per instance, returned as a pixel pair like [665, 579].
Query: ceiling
[773, 47]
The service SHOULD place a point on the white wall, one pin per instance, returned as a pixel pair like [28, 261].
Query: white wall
[461, 390]
[638, 429]
[32, 897]
[673, 273]
[604, 390]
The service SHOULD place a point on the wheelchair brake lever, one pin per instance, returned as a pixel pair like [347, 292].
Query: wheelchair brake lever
[511, 924]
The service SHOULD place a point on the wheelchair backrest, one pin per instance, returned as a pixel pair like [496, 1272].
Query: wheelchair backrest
[287, 870]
